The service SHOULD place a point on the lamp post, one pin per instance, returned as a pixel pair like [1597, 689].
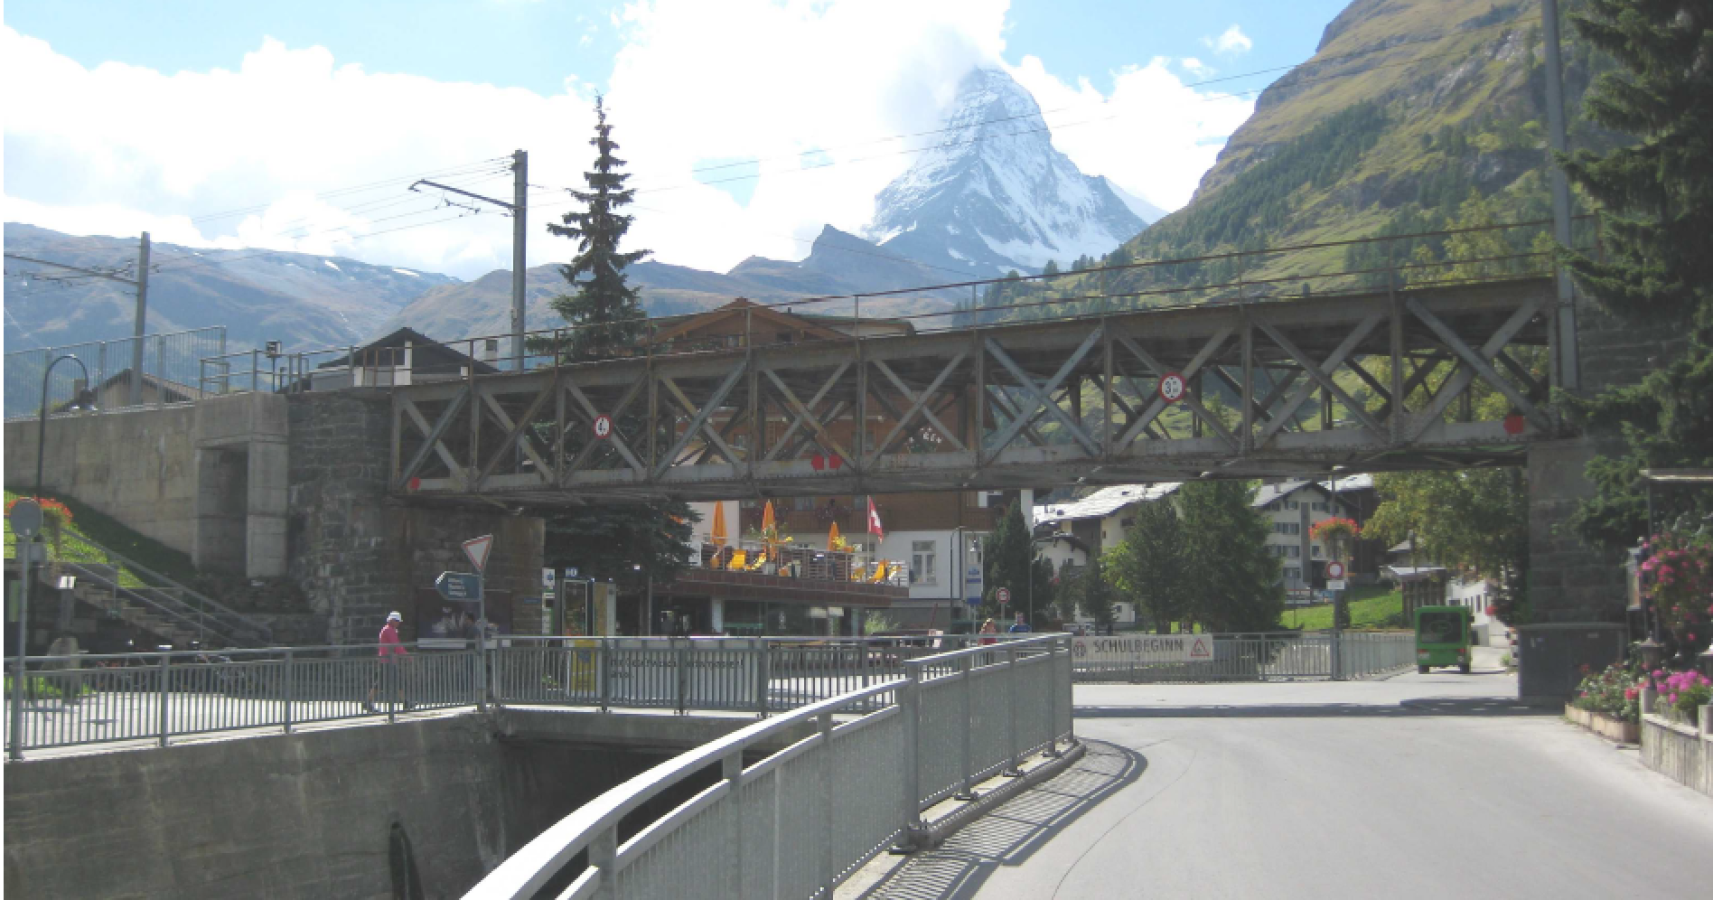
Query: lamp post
[85, 400]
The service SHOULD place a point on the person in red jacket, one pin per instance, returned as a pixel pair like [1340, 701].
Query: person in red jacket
[387, 675]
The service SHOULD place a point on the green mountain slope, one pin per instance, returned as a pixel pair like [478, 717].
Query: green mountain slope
[1408, 109]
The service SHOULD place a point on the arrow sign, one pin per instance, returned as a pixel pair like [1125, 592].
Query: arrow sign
[477, 549]
[459, 586]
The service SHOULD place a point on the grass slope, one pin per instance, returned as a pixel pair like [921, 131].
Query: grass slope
[1371, 607]
[89, 524]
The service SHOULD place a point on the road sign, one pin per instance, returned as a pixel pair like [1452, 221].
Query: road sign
[1003, 596]
[459, 586]
[25, 518]
[972, 585]
[477, 549]
[1336, 584]
[1172, 387]
[570, 572]
[1154, 648]
[1334, 571]
[603, 427]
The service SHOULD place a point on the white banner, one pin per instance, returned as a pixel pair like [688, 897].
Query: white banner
[1142, 648]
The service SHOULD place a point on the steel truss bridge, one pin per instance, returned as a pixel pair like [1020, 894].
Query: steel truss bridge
[1361, 381]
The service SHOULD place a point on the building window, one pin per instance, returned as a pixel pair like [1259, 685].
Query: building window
[1293, 573]
[1316, 549]
[1296, 552]
[1319, 507]
[1291, 505]
[922, 562]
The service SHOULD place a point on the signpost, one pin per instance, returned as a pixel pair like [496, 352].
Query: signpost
[26, 521]
[1003, 595]
[459, 586]
[477, 549]
[972, 586]
[1334, 571]
[1172, 387]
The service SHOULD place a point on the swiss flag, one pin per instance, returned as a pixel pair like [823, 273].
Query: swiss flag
[874, 526]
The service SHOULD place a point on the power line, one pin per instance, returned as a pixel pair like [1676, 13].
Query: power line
[447, 171]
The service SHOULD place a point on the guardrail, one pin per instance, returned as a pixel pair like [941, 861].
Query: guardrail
[798, 822]
[1282, 656]
[169, 363]
[93, 699]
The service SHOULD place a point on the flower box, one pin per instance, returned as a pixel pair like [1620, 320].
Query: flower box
[1604, 725]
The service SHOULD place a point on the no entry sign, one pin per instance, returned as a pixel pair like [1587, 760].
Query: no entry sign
[1334, 570]
[1172, 387]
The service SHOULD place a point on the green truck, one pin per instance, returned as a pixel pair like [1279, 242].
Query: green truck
[1443, 637]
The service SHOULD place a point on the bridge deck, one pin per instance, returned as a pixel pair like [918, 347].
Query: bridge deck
[1426, 378]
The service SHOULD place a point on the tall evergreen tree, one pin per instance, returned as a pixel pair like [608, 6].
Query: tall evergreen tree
[1149, 566]
[1657, 226]
[601, 306]
[1233, 581]
[628, 543]
[1008, 561]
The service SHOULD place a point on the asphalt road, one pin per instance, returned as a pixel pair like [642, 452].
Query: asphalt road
[1429, 786]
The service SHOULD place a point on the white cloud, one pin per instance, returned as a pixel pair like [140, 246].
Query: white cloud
[1232, 42]
[1196, 67]
[1153, 135]
[693, 82]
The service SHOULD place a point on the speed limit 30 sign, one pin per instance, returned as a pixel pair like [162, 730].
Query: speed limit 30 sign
[1172, 387]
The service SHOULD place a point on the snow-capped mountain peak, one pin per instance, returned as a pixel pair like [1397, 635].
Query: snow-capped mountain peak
[995, 195]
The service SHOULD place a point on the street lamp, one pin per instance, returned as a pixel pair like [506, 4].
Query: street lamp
[85, 400]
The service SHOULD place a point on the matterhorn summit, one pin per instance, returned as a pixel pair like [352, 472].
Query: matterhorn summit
[994, 195]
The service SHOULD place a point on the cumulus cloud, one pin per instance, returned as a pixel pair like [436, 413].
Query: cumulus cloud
[117, 148]
[1152, 134]
[1231, 42]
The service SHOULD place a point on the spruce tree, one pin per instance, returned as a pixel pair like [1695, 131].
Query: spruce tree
[1657, 227]
[602, 308]
[1008, 561]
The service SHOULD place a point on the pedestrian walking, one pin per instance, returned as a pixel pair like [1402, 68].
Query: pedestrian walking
[1019, 626]
[989, 632]
[388, 679]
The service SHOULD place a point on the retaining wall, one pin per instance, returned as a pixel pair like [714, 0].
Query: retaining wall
[1680, 752]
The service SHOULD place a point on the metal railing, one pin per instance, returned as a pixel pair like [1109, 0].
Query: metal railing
[170, 364]
[798, 822]
[108, 698]
[1283, 656]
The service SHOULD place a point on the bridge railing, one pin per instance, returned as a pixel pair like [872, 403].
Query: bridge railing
[169, 364]
[1282, 656]
[797, 822]
[92, 699]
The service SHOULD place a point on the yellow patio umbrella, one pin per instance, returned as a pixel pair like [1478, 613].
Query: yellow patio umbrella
[718, 536]
[833, 537]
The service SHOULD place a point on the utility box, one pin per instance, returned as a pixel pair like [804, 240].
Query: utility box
[1551, 657]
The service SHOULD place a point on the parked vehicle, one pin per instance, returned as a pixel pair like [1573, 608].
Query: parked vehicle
[1444, 635]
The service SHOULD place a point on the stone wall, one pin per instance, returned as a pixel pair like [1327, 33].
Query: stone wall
[1679, 751]
[1570, 582]
[358, 553]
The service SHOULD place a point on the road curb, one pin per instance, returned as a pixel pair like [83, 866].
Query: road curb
[936, 833]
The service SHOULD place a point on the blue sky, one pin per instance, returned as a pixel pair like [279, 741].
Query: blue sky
[535, 44]
[209, 106]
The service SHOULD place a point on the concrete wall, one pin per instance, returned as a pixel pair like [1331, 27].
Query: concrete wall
[1680, 752]
[305, 815]
[136, 465]
[207, 479]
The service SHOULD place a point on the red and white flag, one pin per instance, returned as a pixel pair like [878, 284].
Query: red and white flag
[874, 526]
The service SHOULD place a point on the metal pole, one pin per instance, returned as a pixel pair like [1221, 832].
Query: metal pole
[285, 690]
[520, 233]
[482, 640]
[1567, 361]
[16, 750]
[166, 678]
[140, 320]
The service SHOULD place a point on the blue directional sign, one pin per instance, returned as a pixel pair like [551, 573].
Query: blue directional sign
[459, 586]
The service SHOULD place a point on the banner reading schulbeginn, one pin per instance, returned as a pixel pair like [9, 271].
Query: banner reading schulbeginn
[1142, 648]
